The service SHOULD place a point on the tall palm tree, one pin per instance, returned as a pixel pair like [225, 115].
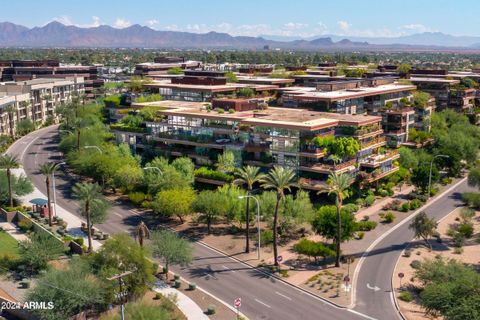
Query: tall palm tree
[338, 185]
[142, 232]
[278, 179]
[47, 169]
[10, 111]
[248, 175]
[8, 162]
[90, 197]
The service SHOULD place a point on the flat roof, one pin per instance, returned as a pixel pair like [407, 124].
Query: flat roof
[210, 88]
[265, 80]
[290, 118]
[434, 80]
[306, 93]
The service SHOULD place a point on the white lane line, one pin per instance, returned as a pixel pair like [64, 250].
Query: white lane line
[266, 305]
[225, 267]
[282, 295]
[361, 314]
[117, 214]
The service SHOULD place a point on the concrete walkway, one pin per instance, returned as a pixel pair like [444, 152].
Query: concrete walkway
[189, 308]
[12, 230]
[73, 222]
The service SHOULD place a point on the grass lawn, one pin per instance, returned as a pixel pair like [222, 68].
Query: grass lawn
[8, 245]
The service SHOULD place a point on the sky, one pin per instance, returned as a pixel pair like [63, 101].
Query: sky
[291, 18]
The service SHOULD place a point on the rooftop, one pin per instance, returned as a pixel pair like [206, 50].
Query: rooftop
[277, 117]
[434, 80]
[209, 88]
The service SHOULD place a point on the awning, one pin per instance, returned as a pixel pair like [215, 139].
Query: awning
[39, 201]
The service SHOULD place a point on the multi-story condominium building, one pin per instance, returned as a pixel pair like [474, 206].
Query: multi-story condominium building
[149, 69]
[448, 93]
[201, 86]
[35, 99]
[297, 138]
[21, 70]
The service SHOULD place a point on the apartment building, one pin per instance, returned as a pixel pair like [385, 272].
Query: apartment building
[22, 70]
[203, 86]
[35, 99]
[266, 137]
[149, 69]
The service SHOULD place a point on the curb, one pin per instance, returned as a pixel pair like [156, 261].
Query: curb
[383, 236]
[394, 297]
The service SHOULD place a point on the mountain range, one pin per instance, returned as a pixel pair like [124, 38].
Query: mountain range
[56, 34]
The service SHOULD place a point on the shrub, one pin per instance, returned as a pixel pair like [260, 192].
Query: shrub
[350, 207]
[366, 225]
[79, 241]
[313, 249]
[415, 264]
[231, 110]
[360, 202]
[136, 197]
[415, 204]
[112, 101]
[466, 214]
[158, 296]
[360, 235]
[177, 284]
[458, 250]
[407, 253]
[211, 309]
[406, 296]
[405, 207]
[458, 239]
[207, 173]
[25, 225]
[389, 217]
[446, 181]
[466, 229]
[369, 200]
[383, 193]
[192, 286]
[472, 199]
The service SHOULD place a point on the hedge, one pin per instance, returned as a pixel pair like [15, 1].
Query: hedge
[207, 173]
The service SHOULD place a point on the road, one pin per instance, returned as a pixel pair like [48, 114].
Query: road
[263, 297]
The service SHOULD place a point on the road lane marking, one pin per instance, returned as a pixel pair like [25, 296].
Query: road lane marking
[266, 305]
[117, 214]
[282, 295]
[361, 314]
[227, 268]
[375, 288]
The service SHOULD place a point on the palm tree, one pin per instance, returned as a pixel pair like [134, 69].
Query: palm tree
[90, 197]
[10, 111]
[142, 232]
[248, 175]
[279, 179]
[47, 169]
[8, 162]
[338, 185]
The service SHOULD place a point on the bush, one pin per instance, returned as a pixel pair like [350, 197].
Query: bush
[389, 217]
[112, 101]
[407, 253]
[472, 199]
[415, 264]
[79, 241]
[360, 235]
[158, 296]
[192, 286]
[406, 296]
[466, 229]
[266, 237]
[25, 225]
[458, 239]
[415, 204]
[350, 207]
[211, 309]
[313, 249]
[360, 202]
[369, 200]
[136, 197]
[366, 225]
[405, 207]
[207, 173]
[383, 193]
[177, 284]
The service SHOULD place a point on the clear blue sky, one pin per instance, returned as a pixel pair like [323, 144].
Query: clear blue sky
[255, 17]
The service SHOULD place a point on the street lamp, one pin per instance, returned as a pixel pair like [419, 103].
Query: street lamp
[258, 220]
[54, 192]
[431, 165]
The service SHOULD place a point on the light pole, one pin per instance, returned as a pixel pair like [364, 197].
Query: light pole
[258, 220]
[54, 191]
[431, 165]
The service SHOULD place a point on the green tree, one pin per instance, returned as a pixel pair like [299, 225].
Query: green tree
[119, 254]
[7, 163]
[338, 185]
[92, 205]
[420, 176]
[226, 162]
[20, 186]
[424, 227]
[245, 92]
[404, 68]
[248, 176]
[474, 177]
[174, 202]
[344, 147]
[420, 99]
[71, 290]
[38, 250]
[279, 179]
[326, 221]
[48, 169]
[231, 77]
[175, 70]
[313, 249]
[209, 204]
[171, 249]
[408, 158]
[136, 84]
[25, 126]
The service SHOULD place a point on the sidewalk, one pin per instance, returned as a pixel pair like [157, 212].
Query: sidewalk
[74, 222]
[12, 230]
[189, 308]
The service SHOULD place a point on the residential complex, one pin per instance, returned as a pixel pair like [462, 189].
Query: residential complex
[35, 100]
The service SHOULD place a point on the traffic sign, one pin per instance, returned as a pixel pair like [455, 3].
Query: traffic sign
[346, 279]
[237, 303]
[279, 259]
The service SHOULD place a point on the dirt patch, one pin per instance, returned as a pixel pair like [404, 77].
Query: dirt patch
[470, 254]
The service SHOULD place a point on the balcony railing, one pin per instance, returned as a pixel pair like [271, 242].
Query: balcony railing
[373, 142]
[376, 160]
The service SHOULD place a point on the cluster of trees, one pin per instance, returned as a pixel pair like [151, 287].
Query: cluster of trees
[84, 285]
[12, 186]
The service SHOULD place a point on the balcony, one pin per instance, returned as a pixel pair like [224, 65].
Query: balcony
[327, 168]
[375, 161]
[374, 176]
[312, 153]
[378, 142]
[312, 184]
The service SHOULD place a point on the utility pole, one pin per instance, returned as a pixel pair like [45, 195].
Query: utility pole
[121, 295]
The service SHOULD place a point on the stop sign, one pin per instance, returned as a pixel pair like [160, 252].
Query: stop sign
[237, 303]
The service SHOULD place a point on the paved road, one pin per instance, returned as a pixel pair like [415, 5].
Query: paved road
[379, 265]
[263, 297]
